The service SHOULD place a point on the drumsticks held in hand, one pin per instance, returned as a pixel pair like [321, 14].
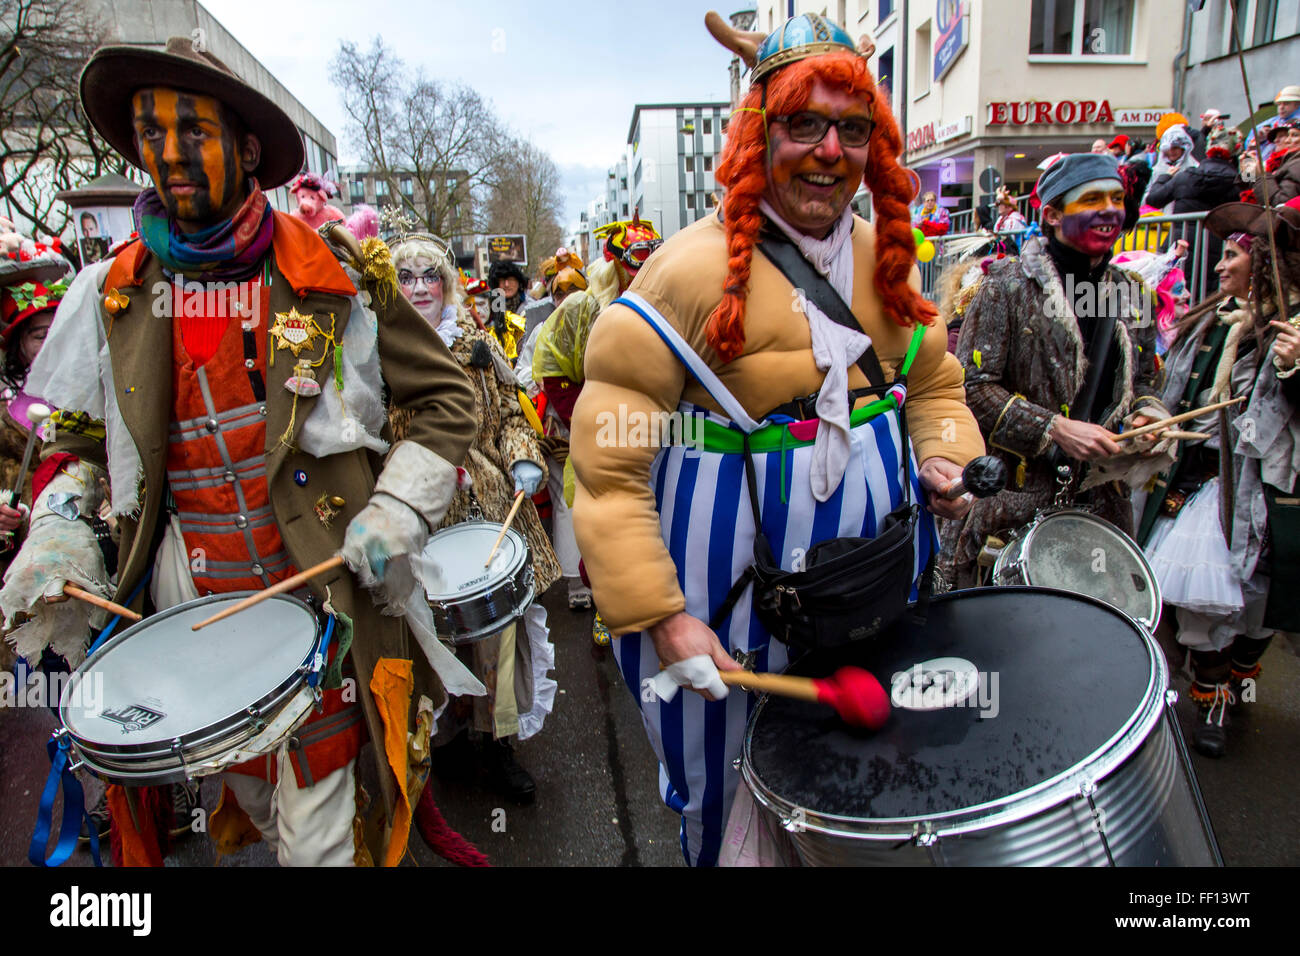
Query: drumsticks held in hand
[855, 694]
[514, 509]
[1176, 419]
[288, 584]
[72, 591]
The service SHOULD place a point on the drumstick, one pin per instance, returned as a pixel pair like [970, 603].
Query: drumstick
[71, 590]
[519, 499]
[1185, 436]
[1174, 420]
[288, 584]
[36, 412]
[855, 694]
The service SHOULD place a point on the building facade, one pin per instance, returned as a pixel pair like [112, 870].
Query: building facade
[1210, 76]
[673, 148]
[1004, 84]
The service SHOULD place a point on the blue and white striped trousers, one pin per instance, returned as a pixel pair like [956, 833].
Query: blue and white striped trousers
[708, 526]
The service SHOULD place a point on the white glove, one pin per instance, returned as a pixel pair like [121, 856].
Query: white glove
[378, 546]
[698, 672]
[528, 477]
[58, 550]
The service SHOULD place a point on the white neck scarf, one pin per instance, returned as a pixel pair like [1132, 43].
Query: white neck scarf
[448, 328]
[834, 348]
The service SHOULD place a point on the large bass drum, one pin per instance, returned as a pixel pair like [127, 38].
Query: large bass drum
[1029, 727]
[1077, 551]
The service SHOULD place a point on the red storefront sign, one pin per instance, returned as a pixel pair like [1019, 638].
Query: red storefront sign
[1063, 113]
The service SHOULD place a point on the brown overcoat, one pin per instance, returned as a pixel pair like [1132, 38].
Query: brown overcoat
[418, 370]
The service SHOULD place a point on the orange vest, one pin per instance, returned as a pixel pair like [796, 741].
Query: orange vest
[216, 469]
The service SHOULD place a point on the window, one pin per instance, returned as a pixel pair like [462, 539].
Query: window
[1265, 21]
[708, 127]
[408, 186]
[708, 164]
[690, 164]
[381, 188]
[885, 70]
[690, 200]
[357, 190]
[886, 8]
[921, 61]
[712, 200]
[1081, 28]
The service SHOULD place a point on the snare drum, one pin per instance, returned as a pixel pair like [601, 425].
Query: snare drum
[161, 703]
[471, 602]
[1001, 748]
[1079, 552]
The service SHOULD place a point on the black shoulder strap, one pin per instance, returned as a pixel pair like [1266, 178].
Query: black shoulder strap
[790, 261]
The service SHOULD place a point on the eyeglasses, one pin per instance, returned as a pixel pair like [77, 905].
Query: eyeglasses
[810, 128]
[429, 277]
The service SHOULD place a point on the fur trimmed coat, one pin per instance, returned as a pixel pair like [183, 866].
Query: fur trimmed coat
[1025, 363]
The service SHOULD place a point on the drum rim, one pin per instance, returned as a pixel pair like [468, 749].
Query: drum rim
[523, 559]
[1024, 541]
[527, 583]
[1023, 805]
[226, 727]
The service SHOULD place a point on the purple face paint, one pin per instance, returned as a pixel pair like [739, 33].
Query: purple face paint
[1091, 232]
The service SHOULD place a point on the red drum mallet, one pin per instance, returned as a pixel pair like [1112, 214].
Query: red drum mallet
[855, 694]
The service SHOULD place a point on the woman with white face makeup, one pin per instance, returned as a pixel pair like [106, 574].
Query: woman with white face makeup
[503, 460]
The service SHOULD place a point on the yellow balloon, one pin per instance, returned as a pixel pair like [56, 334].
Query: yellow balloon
[925, 251]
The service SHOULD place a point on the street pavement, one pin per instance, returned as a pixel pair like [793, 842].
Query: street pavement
[597, 796]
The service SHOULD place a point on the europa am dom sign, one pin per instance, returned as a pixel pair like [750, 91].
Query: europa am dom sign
[1064, 113]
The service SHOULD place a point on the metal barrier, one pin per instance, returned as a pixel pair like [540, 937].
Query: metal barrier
[1152, 233]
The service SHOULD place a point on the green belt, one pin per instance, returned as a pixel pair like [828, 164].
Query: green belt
[705, 435]
[708, 436]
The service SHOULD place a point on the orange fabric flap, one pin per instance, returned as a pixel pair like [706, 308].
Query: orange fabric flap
[138, 839]
[303, 258]
[124, 273]
[392, 685]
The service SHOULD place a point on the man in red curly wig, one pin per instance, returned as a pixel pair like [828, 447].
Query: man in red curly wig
[711, 341]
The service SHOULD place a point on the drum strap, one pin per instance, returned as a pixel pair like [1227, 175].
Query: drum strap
[74, 811]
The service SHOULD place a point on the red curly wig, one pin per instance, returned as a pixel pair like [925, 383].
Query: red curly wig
[743, 171]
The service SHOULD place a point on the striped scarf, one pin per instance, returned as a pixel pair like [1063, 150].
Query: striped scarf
[230, 250]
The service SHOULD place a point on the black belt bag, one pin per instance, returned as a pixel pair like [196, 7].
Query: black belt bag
[849, 589]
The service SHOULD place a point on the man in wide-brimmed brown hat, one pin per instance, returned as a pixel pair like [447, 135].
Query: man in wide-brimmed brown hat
[245, 423]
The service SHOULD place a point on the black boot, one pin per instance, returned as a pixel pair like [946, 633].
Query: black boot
[1213, 696]
[505, 775]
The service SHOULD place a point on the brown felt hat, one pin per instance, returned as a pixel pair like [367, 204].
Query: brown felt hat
[1255, 220]
[115, 73]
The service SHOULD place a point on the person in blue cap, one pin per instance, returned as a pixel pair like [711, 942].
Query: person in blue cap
[1059, 351]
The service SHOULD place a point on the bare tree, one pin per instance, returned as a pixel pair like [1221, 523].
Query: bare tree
[46, 142]
[526, 199]
[437, 146]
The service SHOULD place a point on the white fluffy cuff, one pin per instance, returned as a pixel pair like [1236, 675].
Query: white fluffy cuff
[419, 478]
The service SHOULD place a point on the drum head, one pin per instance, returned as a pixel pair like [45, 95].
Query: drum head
[159, 680]
[1060, 676]
[458, 554]
[1075, 551]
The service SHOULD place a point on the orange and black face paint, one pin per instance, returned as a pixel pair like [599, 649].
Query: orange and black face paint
[190, 149]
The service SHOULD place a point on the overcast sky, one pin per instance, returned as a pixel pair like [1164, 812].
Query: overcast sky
[564, 74]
